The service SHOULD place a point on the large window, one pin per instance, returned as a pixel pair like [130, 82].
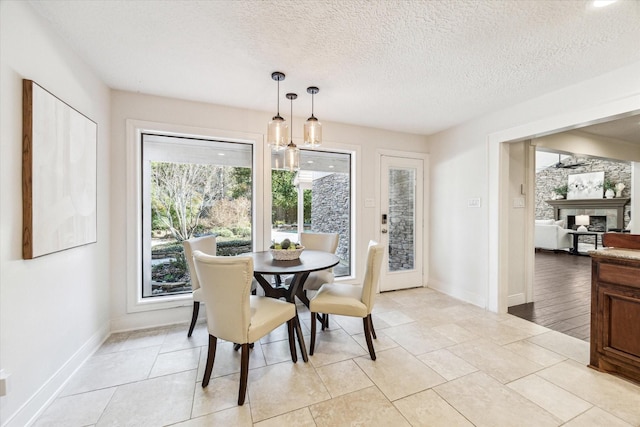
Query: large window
[191, 187]
[316, 198]
[185, 185]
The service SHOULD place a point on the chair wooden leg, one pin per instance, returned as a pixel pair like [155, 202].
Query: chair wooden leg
[324, 321]
[313, 333]
[244, 373]
[292, 340]
[194, 317]
[373, 331]
[303, 348]
[367, 335]
[302, 296]
[210, 358]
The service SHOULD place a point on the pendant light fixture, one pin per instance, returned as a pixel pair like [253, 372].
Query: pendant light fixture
[292, 153]
[277, 129]
[312, 127]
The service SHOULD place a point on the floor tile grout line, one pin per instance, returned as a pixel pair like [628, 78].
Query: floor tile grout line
[495, 319]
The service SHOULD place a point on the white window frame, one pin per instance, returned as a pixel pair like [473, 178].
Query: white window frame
[134, 131]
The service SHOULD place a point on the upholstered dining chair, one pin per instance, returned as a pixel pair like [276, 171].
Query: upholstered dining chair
[233, 314]
[206, 244]
[351, 300]
[327, 242]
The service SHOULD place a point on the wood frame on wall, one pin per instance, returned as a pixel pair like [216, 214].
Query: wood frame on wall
[59, 174]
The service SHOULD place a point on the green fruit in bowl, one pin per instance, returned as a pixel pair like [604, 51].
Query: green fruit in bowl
[277, 246]
[285, 244]
[292, 248]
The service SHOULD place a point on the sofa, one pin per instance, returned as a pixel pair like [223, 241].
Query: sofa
[552, 235]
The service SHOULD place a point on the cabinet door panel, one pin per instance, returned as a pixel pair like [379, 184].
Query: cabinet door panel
[624, 313]
[619, 274]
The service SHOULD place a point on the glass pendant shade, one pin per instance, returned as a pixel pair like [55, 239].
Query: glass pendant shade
[292, 157]
[312, 127]
[277, 133]
[278, 129]
[312, 132]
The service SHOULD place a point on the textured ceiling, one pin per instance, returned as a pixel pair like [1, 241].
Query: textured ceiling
[413, 66]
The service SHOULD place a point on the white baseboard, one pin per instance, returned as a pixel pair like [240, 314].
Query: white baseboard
[155, 318]
[36, 404]
[516, 299]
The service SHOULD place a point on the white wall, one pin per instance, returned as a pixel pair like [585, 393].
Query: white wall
[469, 161]
[127, 105]
[54, 309]
[458, 260]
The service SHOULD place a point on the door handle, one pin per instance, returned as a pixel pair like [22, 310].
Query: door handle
[384, 231]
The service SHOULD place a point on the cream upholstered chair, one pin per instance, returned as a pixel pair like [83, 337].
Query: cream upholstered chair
[233, 314]
[206, 244]
[327, 242]
[351, 300]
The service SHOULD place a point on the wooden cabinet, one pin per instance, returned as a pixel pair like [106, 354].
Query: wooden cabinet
[615, 309]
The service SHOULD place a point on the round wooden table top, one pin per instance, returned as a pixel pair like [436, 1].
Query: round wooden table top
[310, 260]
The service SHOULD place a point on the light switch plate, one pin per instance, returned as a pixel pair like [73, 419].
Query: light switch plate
[474, 202]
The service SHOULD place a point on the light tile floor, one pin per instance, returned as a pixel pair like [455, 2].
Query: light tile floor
[440, 362]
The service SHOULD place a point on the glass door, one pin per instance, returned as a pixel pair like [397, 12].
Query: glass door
[401, 222]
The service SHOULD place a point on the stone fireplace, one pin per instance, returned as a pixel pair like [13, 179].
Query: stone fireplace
[604, 214]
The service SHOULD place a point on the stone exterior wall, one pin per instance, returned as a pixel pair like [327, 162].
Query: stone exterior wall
[330, 209]
[402, 219]
[552, 177]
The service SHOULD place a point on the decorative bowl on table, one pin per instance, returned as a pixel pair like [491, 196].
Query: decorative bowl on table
[286, 254]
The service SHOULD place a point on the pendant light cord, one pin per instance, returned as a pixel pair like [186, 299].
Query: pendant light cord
[278, 99]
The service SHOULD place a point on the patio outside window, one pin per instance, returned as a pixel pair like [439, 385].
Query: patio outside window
[191, 187]
[317, 198]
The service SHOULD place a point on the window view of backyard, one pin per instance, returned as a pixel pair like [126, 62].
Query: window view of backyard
[194, 187]
[317, 198]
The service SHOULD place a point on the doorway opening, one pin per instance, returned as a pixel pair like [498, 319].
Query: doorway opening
[559, 294]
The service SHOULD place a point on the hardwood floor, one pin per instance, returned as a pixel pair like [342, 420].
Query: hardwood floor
[561, 294]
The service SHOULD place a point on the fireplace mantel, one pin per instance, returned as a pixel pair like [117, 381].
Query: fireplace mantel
[615, 203]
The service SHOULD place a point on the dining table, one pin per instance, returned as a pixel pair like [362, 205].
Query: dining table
[309, 261]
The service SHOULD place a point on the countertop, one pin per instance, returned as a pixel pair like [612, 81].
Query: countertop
[631, 254]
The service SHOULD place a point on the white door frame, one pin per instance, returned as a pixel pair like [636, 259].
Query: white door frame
[424, 202]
